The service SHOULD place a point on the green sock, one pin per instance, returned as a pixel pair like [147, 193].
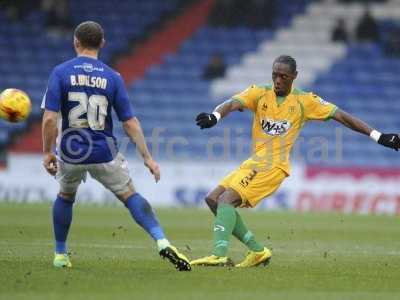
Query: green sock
[245, 236]
[223, 225]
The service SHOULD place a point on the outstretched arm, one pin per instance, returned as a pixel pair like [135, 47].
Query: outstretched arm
[134, 131]
[351, 122]
[390, 140]
[206, 120]
[49, 136]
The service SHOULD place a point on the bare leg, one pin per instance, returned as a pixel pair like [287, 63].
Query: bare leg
[212, 198]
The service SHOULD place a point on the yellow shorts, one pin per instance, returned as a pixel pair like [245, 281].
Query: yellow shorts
[253, 185]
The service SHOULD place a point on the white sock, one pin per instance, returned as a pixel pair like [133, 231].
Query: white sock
[162, 244]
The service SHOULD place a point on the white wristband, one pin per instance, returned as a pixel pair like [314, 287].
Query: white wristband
[375, 135]
[217, 115]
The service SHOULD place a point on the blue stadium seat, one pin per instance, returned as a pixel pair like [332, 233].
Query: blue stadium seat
[171, 94]
[366, 84]
[28, 54]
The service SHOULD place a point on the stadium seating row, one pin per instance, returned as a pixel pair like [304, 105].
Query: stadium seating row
[363, 81]
[26, 47]
[359, 82]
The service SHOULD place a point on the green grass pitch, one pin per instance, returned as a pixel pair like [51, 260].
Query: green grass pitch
[324, 256]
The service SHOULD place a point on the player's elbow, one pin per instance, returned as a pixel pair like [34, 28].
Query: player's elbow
[132, 125]
[49, 119]
[236, 105]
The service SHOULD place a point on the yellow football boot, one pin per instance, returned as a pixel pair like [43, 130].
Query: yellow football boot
[213, 261]
[61, 260]
[254, 259]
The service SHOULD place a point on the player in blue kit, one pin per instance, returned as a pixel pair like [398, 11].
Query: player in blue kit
[81, 94]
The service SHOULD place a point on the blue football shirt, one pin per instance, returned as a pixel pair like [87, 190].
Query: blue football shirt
[84, 91]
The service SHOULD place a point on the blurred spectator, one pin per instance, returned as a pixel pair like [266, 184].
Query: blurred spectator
[339, 33]
[16, 10]
[392, 43]
[57, 17]
[225, 13]
[367, 28]
[253, 13]
[362, 1]
[215, 67]
[261, 13]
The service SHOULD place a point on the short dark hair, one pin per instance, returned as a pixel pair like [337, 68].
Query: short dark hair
[90, 34]
[288, 60]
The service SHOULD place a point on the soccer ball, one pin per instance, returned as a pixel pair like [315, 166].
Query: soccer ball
[15, 105]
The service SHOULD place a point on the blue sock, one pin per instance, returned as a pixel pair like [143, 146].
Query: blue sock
[62, 217]
[143, 214]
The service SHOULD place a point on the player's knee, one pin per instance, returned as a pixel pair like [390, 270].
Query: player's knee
[230, 197]
[67, 196]
[211, 203]
[123, 197]
[210, 200]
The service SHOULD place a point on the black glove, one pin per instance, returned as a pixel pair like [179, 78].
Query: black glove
[390, 140]
[205, 120]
